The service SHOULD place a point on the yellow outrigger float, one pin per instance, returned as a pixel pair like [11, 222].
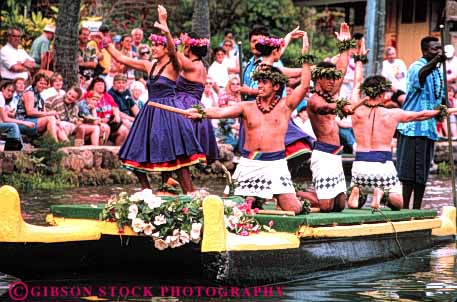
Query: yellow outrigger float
[77, 241]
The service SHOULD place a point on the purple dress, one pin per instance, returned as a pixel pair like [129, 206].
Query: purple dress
[160, 140]
[190, 93]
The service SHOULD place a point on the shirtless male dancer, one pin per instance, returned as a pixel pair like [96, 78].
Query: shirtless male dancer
[262, 170]
[326, 163]
[374, 127]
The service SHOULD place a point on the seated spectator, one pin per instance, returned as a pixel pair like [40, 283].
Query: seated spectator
[56, 87]
[108, 111]
[218, 71]
[9, 125]
[302, 119]
[67, 110]
[209, 96]
[126, 50]
[19, 88]
[87, 110]
[347, 138]
[227, 132]
[139, 94]
[232, 93]
[84, 82]
[121, 95]
[144, 53]
[31, 109]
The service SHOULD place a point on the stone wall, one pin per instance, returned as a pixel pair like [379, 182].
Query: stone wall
[81, 159]
[442, 154]
[86, 158]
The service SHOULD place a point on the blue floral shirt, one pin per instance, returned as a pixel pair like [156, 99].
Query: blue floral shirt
[419, 98]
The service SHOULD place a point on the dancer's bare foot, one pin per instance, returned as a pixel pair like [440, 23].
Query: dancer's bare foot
[376, 200]
[353, 202]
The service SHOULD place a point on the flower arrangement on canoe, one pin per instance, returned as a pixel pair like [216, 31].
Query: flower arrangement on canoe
[239, 220]
[173, 223]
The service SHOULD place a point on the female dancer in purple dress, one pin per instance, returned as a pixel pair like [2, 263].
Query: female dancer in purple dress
[190, 86]
[160, 140]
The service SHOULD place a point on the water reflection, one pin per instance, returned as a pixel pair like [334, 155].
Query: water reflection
[425, 276]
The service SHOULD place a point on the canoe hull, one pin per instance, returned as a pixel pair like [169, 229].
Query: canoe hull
[111, 254]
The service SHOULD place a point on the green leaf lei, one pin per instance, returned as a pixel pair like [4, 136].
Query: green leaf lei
[361, 58]
[307, 58]
[346, 45]
[373, 91]
[340, 103]
[274, 77]
[442, 114]
[200, 110]
[326, 72]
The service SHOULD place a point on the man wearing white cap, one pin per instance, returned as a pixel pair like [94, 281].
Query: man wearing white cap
[40, 47]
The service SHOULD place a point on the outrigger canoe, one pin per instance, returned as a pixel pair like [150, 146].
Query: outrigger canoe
[79, 242]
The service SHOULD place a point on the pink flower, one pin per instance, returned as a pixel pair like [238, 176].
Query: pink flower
[271, 223]
[158, 39]
[244, 233]
[273, 42]
[185, 211]
[188, 41]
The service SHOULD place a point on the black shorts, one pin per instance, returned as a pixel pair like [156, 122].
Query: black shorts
[414, 158]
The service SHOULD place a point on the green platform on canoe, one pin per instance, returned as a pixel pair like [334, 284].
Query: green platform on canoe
[281, 223]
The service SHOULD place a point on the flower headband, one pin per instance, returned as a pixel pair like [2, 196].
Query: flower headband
[326, 72]
[373, 90]
[188, 41]
[273, 42]
[274, 76]
[158, 39]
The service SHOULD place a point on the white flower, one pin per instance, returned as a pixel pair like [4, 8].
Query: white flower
[133, 211]
[137, 225]
[138, 196]
[229, 203]
[155, 235]
[148, 229]
[153, 202]
[233, 220]
[184, 237]
[237, 212]
[150, 199]
[195, 232]
[160, 244]
[159, 219]
[173, 241]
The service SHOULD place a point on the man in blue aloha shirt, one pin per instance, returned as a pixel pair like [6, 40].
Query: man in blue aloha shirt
[415, 145]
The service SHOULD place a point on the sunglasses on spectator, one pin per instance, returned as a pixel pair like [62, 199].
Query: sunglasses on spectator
[16, 36]
[235, 83]
[145, 53]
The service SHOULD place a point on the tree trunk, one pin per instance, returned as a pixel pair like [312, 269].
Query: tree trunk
[200, 18]
[66, 44]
